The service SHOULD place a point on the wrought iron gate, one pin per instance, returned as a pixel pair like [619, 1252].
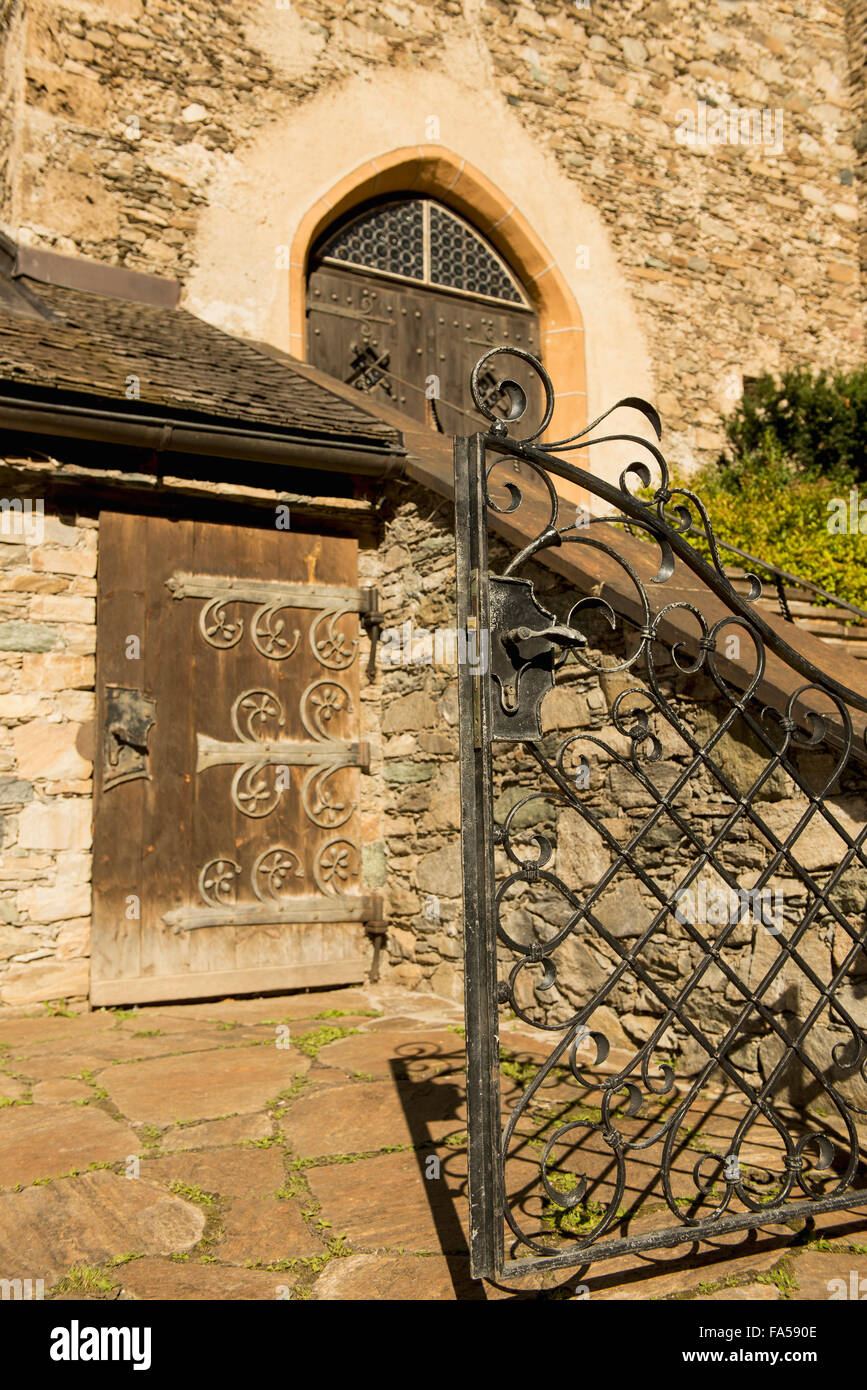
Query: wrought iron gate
[664, 908]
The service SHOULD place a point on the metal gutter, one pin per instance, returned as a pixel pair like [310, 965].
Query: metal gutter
[166, 436]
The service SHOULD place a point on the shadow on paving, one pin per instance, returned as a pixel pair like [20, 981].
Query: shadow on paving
[694, 1169]
[425, 1107]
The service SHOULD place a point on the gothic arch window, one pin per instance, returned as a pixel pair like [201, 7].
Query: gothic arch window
[403, 298]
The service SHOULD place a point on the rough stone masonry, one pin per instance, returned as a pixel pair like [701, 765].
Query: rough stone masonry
[125, 128]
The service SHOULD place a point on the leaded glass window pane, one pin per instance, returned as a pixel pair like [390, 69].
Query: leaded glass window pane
[460, 260]
[418, 240]
[388, 239]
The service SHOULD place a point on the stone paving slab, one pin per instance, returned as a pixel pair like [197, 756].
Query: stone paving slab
[158, 1279]
[56, 1092]
[322, 1076]
[749, 1293]
[386, 1202]
[265, 1231]
[646, 1278]
[402, 1023]
[211, 1134]
[45, 1060]
[11, 1088]
[368, 1115]
[403, 1278]
[320, 1032]
[38, 1141]
[277, 1007]
[44, 1231]
[202, 1085]
[232, 1172]
[21, 1032]
[395, 1056]
[384, 1098]
[834, 1276]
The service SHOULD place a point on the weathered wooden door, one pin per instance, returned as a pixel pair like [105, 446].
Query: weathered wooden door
[226, 857]
[403, 296]
[411, 348]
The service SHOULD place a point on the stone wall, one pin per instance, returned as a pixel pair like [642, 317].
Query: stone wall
[856, 24]
[137, 129]
[47, 653]
[11, 101]
[413, 812]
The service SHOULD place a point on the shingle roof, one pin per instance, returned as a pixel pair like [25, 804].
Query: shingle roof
[58, 339]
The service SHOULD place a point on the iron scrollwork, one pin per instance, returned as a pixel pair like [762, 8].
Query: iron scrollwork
[777, 1162]
[223, 628]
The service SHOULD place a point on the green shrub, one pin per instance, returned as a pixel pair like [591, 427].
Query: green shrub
[774, 511]
[816, 421]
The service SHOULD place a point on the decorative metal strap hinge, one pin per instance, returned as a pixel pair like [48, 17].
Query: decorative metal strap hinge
[256, 794]
[271, 877]
[330, 647]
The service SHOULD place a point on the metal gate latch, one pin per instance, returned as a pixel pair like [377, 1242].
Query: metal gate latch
[524, 639]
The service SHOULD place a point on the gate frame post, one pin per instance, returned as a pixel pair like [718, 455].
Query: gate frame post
[477, 850]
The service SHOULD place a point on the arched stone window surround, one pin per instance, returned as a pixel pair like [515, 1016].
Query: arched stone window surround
[444, 175]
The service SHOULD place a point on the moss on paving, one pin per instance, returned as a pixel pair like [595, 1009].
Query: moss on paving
[783, 1277]
[307, 1268]
[311, 1043]
[84, 1279]
[190, 1193]
[349, 1013]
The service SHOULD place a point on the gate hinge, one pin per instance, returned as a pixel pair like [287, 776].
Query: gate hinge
[376, 928]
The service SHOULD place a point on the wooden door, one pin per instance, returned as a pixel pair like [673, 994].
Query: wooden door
[407, 346]
[226, 857]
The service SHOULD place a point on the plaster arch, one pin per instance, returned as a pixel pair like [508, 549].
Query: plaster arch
[267, 200]
[444, 175]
